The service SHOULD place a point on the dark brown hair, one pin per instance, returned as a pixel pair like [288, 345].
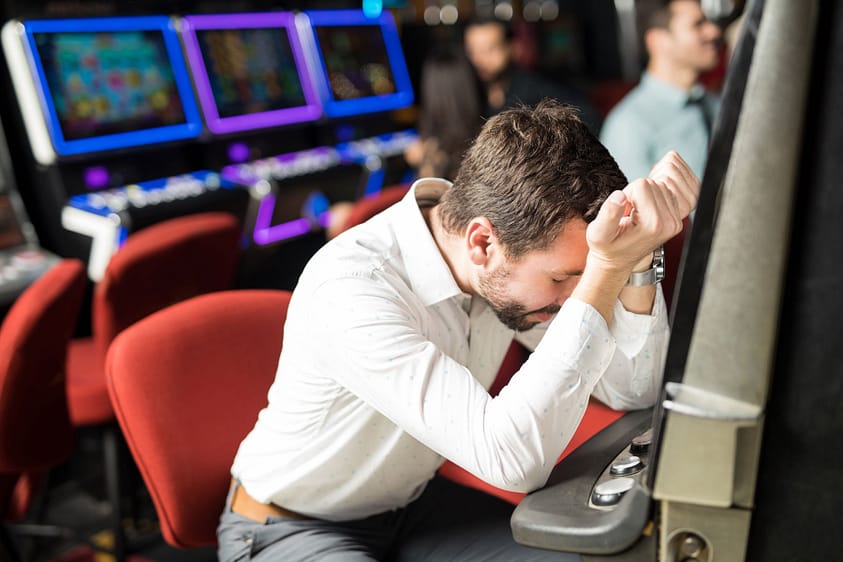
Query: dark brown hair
[529, 170]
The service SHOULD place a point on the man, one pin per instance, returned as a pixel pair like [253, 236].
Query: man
[488, 45]
[668, 109]
[398, 326]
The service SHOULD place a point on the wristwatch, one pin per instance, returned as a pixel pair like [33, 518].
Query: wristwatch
[650, 276]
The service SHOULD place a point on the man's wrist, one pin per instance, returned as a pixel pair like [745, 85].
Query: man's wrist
[643, 264]
[652, 274]
[600, 284]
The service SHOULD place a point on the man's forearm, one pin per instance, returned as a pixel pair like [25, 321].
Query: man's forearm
[600, 285]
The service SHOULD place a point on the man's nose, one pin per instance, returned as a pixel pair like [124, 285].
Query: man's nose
[713, 31]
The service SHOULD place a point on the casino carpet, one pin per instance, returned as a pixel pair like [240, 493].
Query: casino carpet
[87, 554]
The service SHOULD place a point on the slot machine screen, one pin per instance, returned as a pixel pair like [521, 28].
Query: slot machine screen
[301, 204]
[108, 83]
[249, 70]
[359, 62]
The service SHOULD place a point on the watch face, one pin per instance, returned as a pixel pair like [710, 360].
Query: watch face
[659, 263]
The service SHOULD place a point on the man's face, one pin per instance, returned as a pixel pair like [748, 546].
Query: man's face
[488, 50]
[531, 289]
[693, 39]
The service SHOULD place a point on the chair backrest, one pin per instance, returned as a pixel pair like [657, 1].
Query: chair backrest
[186, 384]
[35, 430]
[367, 207]
[163, 264]
[672, 256]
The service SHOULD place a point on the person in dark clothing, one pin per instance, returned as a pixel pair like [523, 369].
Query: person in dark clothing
[488, 45]
[450, 113]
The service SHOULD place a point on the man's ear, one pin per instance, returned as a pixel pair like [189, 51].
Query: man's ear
[480, 240]
[655, 40]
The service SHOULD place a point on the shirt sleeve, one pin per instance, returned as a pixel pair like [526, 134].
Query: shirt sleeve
[377, 348]
[634, 376]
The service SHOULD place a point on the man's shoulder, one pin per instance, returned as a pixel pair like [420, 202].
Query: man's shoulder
[355, 253]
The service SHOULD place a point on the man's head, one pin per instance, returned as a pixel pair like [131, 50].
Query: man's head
[532, 180]
[488, 45]
[677, 35]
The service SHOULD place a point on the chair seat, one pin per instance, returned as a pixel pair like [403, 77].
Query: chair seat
[87, 393]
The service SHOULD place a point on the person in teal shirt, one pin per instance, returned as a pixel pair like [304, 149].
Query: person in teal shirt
[668, 109]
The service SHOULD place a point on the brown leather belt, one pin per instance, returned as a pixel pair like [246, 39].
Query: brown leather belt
[247, 506]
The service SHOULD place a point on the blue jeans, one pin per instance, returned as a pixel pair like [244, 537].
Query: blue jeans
[448, 522]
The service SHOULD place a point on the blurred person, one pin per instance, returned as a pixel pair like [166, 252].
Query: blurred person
[397, 328]
[451, 104]
[489, 46]
[669, 109]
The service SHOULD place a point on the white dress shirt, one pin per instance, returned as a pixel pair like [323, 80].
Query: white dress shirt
[385, 369]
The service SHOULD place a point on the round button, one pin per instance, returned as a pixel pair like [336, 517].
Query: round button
[641, 443]
[626, 465]
[610, 492]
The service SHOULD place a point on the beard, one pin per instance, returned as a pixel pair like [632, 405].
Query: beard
[510, 312]
[502, 75]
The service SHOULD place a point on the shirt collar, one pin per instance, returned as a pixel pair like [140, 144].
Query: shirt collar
[429, 274]
[668, 93]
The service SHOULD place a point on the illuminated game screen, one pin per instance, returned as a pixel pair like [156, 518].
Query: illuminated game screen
[249, 70]
[360, 62]
[112, 82]
[356, 61]
[105, 83]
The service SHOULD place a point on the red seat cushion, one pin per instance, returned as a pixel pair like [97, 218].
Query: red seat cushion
[88, 401]
[160, 265]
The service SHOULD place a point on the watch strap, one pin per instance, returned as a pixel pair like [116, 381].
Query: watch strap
[650, 276]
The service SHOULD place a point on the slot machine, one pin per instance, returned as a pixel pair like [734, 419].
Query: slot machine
[263, 83]
[361, 74]
[22, 259]
[736, 460]
[112, 123]
[251, 77]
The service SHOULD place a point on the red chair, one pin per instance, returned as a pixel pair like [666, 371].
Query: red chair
[160, 265]
[673, 258]
[367, 207]
[187, 383]
[35, 429]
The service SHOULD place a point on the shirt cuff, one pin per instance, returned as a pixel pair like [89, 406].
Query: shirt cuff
[632, 330]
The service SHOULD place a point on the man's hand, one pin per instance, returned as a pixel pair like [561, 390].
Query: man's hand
[676, 176]
[647, 213]
[630, 225]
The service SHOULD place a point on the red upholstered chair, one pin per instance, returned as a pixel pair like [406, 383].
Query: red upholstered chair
[35, 429]
[673, 258]
[367, 207]
[160, 265]
[187, 383]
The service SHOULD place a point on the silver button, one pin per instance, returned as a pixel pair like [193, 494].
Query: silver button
[610, 492]
[626, 465]
[641, 443]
